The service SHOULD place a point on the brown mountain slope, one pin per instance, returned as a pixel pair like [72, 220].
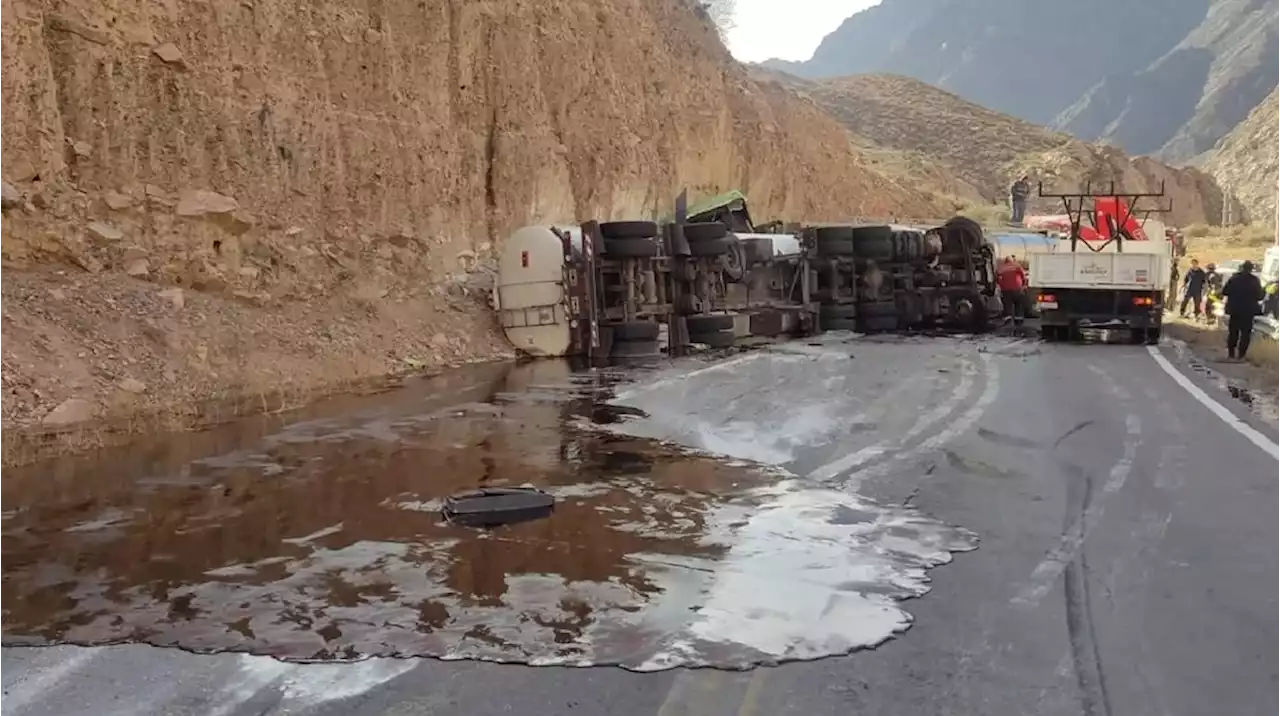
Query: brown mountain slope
[317, 175]
[985, 150]
[1245, 161]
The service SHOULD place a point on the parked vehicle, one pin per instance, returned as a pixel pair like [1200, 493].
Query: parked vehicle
[1120, 282]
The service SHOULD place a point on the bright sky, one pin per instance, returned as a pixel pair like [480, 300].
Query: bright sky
[787, 29]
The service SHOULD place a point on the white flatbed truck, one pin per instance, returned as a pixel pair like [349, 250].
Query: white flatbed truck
[1117, 284]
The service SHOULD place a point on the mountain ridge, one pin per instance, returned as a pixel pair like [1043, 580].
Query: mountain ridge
[1177, 78]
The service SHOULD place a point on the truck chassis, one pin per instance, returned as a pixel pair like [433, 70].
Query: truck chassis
[629, 283]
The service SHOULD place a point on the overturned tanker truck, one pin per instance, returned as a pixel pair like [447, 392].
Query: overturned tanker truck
[630, 291]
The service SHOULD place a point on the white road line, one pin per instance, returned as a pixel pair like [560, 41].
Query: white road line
[1046, 574]
[856, 458]
[1215, 407]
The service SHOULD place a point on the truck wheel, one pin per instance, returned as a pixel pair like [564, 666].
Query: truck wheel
[875, 309]
[708, 324]
[757, 251]
[837, 324]
[838, 311]
[1137, 336]
[873, 242]
[879, 324]
[714, 339]
[834, 241]
[705, 231]
[635, 349]
[635, 331]
[1153, 336]
[630, 248]
[1050, 334]
[628, 230]
[707, 248]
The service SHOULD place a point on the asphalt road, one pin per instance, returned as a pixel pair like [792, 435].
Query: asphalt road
[1127, 562]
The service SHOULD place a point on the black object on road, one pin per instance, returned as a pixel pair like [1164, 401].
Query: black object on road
[494, 506]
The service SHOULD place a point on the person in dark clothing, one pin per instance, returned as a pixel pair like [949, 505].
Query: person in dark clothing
[1244, 295]
[1018, 194]
[1192, 288]
[1174, 275]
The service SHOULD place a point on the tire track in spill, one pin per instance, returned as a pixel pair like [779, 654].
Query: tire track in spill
[869, 454]
[1055, 562]
[1070, 560]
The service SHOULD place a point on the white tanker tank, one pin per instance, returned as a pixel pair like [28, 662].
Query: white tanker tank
[1020, 244]
[529, 292]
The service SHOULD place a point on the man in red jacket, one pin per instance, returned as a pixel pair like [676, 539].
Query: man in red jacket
[1012, 281]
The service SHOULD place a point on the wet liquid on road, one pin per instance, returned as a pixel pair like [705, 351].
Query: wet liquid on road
[322, 539]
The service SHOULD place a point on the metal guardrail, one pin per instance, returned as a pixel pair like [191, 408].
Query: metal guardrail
[1267, 326]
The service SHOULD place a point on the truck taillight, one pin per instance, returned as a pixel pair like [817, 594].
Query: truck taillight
[1047, 298]
[1143, 301]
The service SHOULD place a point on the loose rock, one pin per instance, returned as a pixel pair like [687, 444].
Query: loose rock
[105, 231]
[82, 149]
[137, 267]
[133, 385]
[174, 296]
[200, 202]
[117, 201]
[69, 412]
[169, 52]
[12, 198]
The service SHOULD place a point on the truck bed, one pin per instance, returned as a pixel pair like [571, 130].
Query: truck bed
[1083, 269]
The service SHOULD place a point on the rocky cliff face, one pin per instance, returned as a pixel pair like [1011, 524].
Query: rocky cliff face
[1168, 78]
[450, 121]
[282, 161]
[1247, 162]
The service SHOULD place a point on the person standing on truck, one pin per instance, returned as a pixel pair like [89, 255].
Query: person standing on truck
[1012, 281]
[1244, 296]
[1192, 288]
[1018, 194]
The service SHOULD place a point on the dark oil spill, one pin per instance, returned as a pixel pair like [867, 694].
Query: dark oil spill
[323, 540]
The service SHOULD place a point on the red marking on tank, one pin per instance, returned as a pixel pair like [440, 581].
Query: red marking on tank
[524, 259]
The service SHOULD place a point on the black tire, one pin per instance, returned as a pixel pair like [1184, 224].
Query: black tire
[642, 360]
[628, 230]
[838, 324]
[634, 349]
[714, 339]
[1137, 336]
[1049, 334]
[630, 248]
[706, 231]
[708, 324]
[834, 240]
[708, 248]
[879, 324]
[757, 251]
[838, 311]
[876, 309]
[636, 331]
[1153, 336]
[873, 242]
